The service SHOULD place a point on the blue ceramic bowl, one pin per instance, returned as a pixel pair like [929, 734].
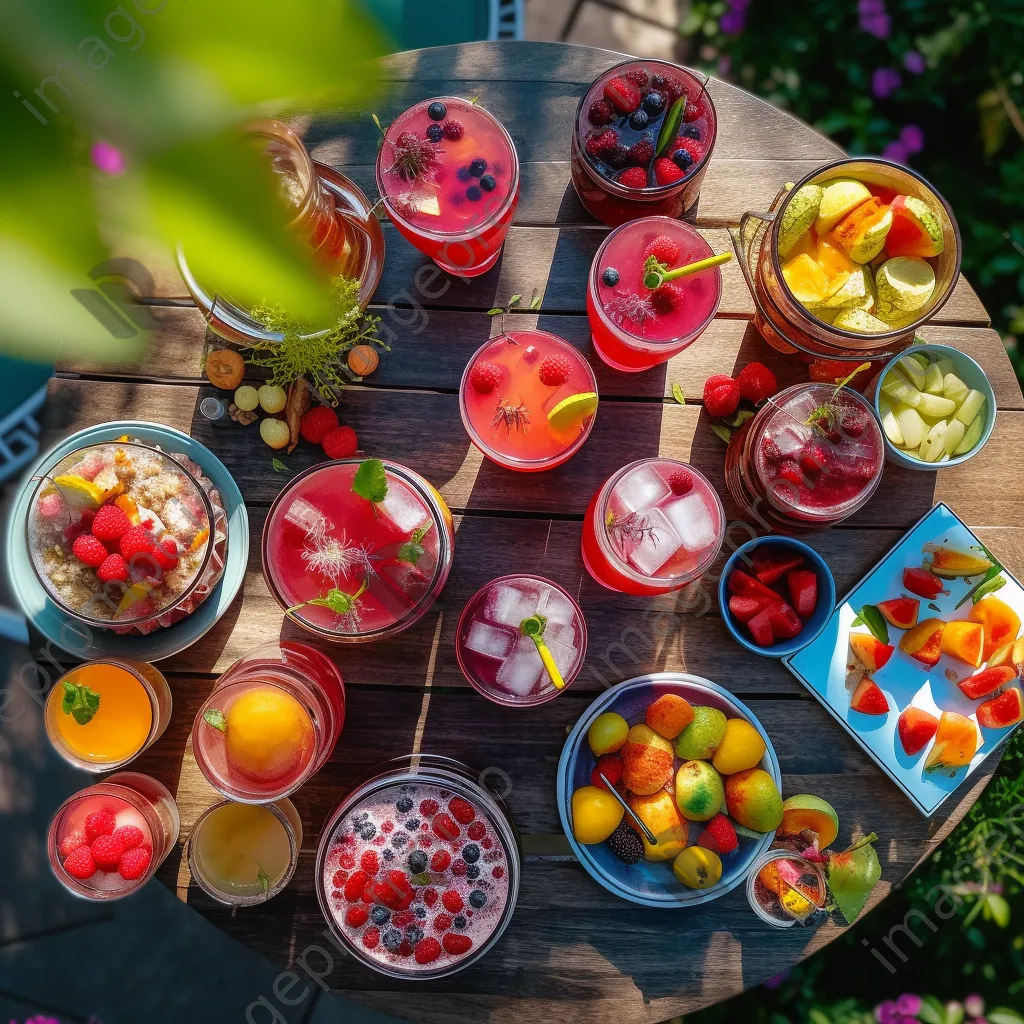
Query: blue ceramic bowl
[822, 610]
[972, 375]
[652, 883]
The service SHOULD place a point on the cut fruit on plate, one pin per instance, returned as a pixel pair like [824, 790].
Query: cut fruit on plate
[571, 412]
[1001, 623]
[923, 643]
[915, 728]
[901, 612]
[868, 698]
[964, 641]
[987, 681]
[952, 564]
[870, 652]
[956, 742]
[1002, 711]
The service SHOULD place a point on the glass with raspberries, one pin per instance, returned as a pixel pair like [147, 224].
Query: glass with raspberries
[418, 869]
[107, 840]
[448, 175]
[642, 141]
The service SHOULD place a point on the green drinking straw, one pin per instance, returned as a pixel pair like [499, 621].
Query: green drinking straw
[533, 627]
[655, 277]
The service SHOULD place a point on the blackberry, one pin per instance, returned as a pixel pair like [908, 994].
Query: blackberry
[682, 159]
[654, 103]
[389, 854]
[477, 167]
[617, 156]
[488, 183]
[473, 193]
[471, 853]
[459, 922]
[412, 824]
[399, 839]
[477, 898]
[610, 277]
[414, 933]
[638, 120]
[437, 111]
[473, 872]
[403, 804]
[658, 81]
[421, 913]
[435, 133]
[392, 938]
[380, 915]
[689, 131]
[418, 862]
[463, 174]
[626, 844]
[368, 831]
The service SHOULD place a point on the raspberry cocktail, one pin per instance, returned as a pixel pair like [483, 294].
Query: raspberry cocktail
[811, 457]
[357, 550]
[642, 141]
[103, 714]
[448, 175]
[107, 840]
[653, 527]
[502, 659]
[528, 400]
[271, 722]
[635, 326]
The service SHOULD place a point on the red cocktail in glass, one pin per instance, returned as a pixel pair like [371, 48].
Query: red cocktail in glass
[633, 327]
[653, 527]
[448, 174]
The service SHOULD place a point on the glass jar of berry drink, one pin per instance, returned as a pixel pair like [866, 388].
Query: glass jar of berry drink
[810, 458]
[641, 142]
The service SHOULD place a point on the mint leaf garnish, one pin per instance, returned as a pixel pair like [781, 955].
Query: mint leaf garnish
[264, 879]
[80, 702]
[678, 395]
[371, 481]
[215, 717]
[413, 550]
[336, 599]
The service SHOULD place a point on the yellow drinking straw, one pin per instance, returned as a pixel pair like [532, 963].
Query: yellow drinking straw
[533, 627]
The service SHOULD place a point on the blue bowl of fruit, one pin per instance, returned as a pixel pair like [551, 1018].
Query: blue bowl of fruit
[689, 766]
[936, 406]
[776, 594]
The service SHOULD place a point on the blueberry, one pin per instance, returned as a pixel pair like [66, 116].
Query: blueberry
[368, 831]
[473, 871]
[463, 174]
[418, 861]
[471, 853]
[421, 913]
[399, 839]
[437, 111]
[414, 933]
[654, 103]
[435, 133]
[380, 915]
[690, 131]
[473, 193]
[412, 824]
[658, 81]
[459, 922]
[488, 183]
[389, 855]
[610, 277]
[638, 120]
[403, 804]
[682, 159]
[392, 938]
[477, 898]
[477, 167]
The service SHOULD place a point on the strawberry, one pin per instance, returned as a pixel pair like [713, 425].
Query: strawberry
[427, 950]
[74, 840]
[455, 944]
[130, 836]
[756, 382]
[462, 810]
[452, 902]
[166, 553]
[89, 549]
[99, 823]
[395, 891]
[770, 451]
[135, 863]
[354, 886]
[371, 937]
[110, 523]
[136, 541]
[666, 172]
[601, 112]
[453, 130]
[317, 423]
[80, 863]
[113, 567]
[609, 765]
[623, 95]
[663, 249]
[667, 298]
[791, 473]
[633, 177]
[106, 851]
[442, 922]
[641, 152]
[638, 77]
[718, 835]
[428, 808]
[555, 370]
[340, 443]
[369, 862]
[440, 861]
[477, 831]
[356, 916]
[680, 482]
[485, 377]
[721, 395]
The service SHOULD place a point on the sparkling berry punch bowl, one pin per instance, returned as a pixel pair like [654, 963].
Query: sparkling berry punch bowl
[642, 140]
[448, 175]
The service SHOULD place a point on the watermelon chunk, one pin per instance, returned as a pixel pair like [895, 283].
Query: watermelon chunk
[803, 590]
[916, 229]
[760, 627]
[916, 728]
[999, 712]
[745, 608]
[771, 563]
[740, 583]
[901, 612]
[985, 681]
[785, 622]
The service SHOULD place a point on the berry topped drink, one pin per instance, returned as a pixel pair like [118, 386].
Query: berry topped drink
[633, 326]
[810, 458]
[653, 527]
[503, 662]
[448, 174]
[357, 549]
[643, 137]
[528, 400]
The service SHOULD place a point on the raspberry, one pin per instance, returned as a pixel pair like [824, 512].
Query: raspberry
[633, 177]
[672, 87]
[790, 472]
[135, 863]
[691, 111]
[623, 95]
[371, 937]
[99, 823]
[815, 459]
[609, 765]
[357, 916]
[638, 77]
[456, 945]
[602, 143]
[459, 867]
[453, 130]
[110, 523]
[721, 395]
[130, 836]
[770, 451]
[667, 298]
[340, 878]
[666, 172]
[442, 922]
[719, 835]
[355, 885]
[477, 830]
[641, 152]
[445, 828]
[555, 370]
[340, 443]
[663, 249]
[166, 554]
[387, 826]
[485, 377]
[73, 841]
[317, 423]
[106, 851]
[428, 808]
[440, 861]
[347, 861]
[853, 422]
[80, 863]
[369, 863]
[462, 810]
[498, 872]
[756, 382]
[690, 146]
[452, 901]
[427, 950]
[601, 112]
[136, 541]
[90, 550]
[429, 895]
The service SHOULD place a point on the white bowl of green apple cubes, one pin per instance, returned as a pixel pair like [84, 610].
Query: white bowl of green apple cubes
[936, 407]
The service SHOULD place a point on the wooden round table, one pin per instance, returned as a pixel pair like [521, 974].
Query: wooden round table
[573, 952]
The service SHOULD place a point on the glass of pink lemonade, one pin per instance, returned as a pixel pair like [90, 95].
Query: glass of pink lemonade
[271, 722]
[528, 400]
[107, 840]
[654, 526]
[448, 174]
[502, 661]
[811, 457]
[354, 561]
[633, 326]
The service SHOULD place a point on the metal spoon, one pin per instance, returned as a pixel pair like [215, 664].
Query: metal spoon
[648, 834]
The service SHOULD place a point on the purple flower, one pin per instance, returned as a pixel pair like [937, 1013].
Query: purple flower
[886, 1013]
[877, 25]
[914, 62]
[912, 138]
[109, 160]
[885, 81]
[974, 1005]
[870, 7]
[908, 1004]
[733, 22]
[896, 152]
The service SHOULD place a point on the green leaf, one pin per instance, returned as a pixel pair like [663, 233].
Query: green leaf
[723, 432]
[264, 879]
[413, 550]
[852, 875]
[371, 481]
[495, 310]
[670, 126]
[875, 622]
[741, 417]
[536, 301]
[280, 467]
[988, 587]
[998, 908]
[678, 395]
[931, 1011]
[216, 718]
[991, 573]
[80, 702]
[514, 301]
[1003, 1015]
[858, 621]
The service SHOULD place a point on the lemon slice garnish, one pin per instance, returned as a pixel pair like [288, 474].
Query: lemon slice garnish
[78, 492]
[572, 411]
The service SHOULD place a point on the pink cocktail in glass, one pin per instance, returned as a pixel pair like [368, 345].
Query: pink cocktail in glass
[501, 661]
[653, 527]
[388, 559]
[448, 174]
[634, 327]
[271, 722]
[528, 400]
[810, 458]
[107, 840]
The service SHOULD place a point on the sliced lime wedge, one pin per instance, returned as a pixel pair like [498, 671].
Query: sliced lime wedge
[572, 411]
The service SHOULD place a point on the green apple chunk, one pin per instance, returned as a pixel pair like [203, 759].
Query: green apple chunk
[955, 432]
[954, 389]
[933, 379]
[935, 406]
[972, 405]
[897, 386]
[933, 446]
[911, 425]
[971, 438]
[914, 370]
[890, 424]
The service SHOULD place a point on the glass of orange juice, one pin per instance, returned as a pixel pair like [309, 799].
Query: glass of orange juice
[101, 715]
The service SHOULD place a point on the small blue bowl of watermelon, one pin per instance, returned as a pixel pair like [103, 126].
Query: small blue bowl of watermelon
[776, 594]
